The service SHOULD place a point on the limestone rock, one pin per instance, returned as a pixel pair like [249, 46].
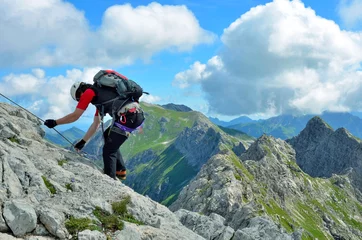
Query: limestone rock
[210, 227]
[20, 217]
[30, 171]
[321, 151]
[91, 235]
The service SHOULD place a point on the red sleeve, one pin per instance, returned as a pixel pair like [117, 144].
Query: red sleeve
[85, 99]
[96, 114]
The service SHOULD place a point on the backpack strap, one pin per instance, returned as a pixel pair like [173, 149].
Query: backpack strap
[101, 113]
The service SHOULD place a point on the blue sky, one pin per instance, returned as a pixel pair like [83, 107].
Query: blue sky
[223, 58]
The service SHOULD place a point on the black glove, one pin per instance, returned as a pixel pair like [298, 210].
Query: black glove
[50, 123]
[80, 145]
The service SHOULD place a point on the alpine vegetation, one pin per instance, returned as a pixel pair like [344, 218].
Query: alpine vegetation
[42, 199]
[264, 194]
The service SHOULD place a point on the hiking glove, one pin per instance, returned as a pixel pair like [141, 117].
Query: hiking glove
[50, 123]
[80, 145]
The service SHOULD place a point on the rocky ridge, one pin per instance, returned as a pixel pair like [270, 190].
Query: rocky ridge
[44, 186]
[169, 171]
[170, 151]
[264, 194]
[321, 151]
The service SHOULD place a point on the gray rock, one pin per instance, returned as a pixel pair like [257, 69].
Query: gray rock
[91, 235]
[202, 134]
[4, 236]
[261, 229]
[209, 227]
[265, 177]
[20, 217]
[3, 226]
[39, 238]
[40, 230]
[23, 166]
[135, 232]
[130, 232]
[321, 151]
[53, 222]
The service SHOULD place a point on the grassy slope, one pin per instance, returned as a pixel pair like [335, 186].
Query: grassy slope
[170, 165]
[151, 136]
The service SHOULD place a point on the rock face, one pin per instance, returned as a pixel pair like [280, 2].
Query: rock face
[42, 186]
[160, 175]
[263, 194]
[20, 217]
[198, 144]
[321, 151]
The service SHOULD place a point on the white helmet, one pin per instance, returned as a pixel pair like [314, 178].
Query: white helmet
[73, 90]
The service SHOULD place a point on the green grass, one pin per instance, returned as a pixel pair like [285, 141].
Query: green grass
[110, 222]
[151, 137]
[279, 214]
[237, 163]
[76, 225]
[14, 139]
[140, 168]
[168, 201]
[115, 221]
[49, 185]
[69, 186]
[62, 162]
[171, 165]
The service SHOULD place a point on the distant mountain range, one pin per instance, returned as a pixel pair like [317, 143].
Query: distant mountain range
[287, 126]
[239, 120]
[72, 134]
[177, 107]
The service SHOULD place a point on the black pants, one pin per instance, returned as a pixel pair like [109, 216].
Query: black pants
[112, 157]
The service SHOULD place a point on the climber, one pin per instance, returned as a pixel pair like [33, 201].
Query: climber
[107, 100]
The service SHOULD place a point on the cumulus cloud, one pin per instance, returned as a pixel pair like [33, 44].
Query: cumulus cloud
[350, 12]
[54, 32]
[150, 98]
[47, 97]
[281, 58]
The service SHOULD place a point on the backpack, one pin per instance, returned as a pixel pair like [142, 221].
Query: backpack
[131, 116]
[128, 114]
[126, 88]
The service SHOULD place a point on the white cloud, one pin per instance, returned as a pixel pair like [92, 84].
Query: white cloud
[47, 97]
[350, 11]
[53, 32]
[196, 73]
[281, 58]
[150, 98]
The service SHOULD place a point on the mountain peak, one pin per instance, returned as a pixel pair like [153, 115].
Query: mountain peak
[322, 152]
[318, 122]
[315, 130]
[177, 107]
[266, 146]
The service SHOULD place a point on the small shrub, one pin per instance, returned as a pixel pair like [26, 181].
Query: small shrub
[75, 225]
[14, 139]
[114, 222]
[109, 221]
[69, 186]
[49, 185]
[61, 162]
[120, 208]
